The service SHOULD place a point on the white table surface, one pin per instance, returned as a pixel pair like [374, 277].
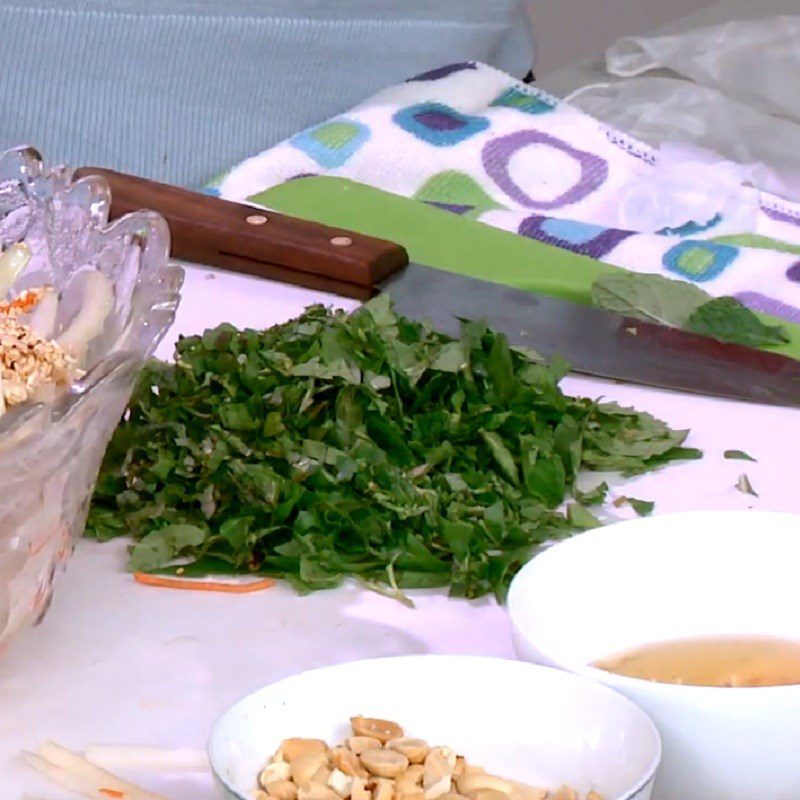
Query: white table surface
[118, 663]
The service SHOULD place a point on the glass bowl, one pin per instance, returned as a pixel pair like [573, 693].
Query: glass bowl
[50, 453]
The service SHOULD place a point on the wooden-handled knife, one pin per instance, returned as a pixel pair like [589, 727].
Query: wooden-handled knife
[264, 243]
[241, 238]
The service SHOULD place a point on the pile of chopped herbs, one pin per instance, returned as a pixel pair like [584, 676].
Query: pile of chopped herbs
[361, 445]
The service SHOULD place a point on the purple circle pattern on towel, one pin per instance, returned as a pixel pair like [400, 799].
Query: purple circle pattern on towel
[579, 237]
[497, 155]
[781, 216]
[769, 305]
[793, 273]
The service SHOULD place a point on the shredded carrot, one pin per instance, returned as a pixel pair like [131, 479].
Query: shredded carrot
[22, 304]
[111, 793]
[202, 586]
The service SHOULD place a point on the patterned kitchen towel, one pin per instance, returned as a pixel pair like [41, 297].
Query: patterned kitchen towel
[477, 142]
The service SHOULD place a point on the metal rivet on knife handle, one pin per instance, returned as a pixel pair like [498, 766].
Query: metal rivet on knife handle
[256, 219]
[341, 241]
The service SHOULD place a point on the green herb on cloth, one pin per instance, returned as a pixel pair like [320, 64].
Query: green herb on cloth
[650, 297]
[362, 445]
[726, 319]
[739, 455]
[683, 305]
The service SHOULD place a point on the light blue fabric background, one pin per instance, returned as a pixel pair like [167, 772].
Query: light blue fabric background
[179, 89]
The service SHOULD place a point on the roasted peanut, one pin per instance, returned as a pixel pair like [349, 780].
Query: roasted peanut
[384, 763]
[410, 782]
[439, 765]
[383, 789]
[359, 790]
[277, 771]
[347, 761]
[305, 768]
[381, 729]
[489, 794]
[282, 790]
[521, 791]
[469, 784]
[340, 783]
[564, 793]
[358, 744]
[316, 791]
[293, 748]
[415, 750]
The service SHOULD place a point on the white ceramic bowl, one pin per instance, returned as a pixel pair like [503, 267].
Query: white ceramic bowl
[669, 577]
[537, 725]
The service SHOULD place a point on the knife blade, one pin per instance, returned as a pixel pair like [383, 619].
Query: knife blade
[244, 239]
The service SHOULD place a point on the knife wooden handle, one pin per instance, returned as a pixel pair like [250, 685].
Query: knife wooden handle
[245, 239]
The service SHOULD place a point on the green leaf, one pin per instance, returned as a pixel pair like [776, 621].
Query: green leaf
[501, 454]
[642, 507]
[451, 358]
[738, 455]
[547, 481]
[458, 536]
[593, 497]
[743, 485]
[237, 417]
[500, 368]
[726, 319]
[580, 517]
[161, 546]
[650, 297]
[235, 531]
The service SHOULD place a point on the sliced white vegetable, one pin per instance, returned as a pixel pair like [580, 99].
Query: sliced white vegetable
[64, 778]
[153, 759]
[98, 301]
[60, 764]
[12, 262]
[42, 319]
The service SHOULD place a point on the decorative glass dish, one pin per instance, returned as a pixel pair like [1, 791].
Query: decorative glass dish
[51, 448]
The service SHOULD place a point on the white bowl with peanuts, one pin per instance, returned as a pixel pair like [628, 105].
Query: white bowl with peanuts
[435, 728]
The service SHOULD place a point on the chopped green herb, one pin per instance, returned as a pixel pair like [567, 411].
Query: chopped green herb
[581, 518]
[593, 497]
[642, 507]
[743, 485]
[363, 445]
[738, 455]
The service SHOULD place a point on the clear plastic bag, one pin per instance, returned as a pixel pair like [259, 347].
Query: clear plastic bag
[658, 110]
[754, 61]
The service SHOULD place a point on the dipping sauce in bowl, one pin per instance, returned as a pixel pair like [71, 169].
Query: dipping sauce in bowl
[685, 595]
[732, 661]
